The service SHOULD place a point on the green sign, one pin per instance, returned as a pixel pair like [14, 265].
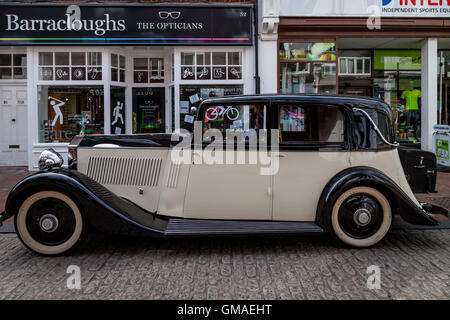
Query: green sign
[397, 60]
[442, 149]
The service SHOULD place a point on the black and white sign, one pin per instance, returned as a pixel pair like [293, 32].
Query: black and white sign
[125, 24]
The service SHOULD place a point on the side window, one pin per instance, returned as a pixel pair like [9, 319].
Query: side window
[311, 123]
[234, 117]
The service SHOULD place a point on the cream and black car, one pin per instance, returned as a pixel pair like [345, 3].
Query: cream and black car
[249, 165]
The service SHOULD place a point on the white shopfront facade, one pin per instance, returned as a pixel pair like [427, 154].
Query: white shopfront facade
[54, 91]
[361, 33]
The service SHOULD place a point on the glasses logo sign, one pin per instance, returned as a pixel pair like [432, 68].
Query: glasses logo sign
[172, 14]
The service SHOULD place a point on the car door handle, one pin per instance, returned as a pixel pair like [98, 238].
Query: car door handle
[13, 120]
[280, 155]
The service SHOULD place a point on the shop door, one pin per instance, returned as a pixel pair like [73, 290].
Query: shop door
[13, 126]
[149, 110]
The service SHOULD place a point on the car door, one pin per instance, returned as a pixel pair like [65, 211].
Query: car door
[311, 151]
[228, 189]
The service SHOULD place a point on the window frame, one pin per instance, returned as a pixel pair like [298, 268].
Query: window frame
[311, 145]
[12, 66]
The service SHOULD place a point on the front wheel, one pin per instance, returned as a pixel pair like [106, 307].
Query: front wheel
[49, 223]
[361, 217]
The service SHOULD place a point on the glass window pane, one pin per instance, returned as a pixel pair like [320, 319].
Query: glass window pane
[359, 66]
[78, 58]
[45, 58]
[61, 58]
[94, 58]
[114, 74]
[122, 75]
[219, 58]
[20, 73]
[20, 60]
[367, 68]
[187, 58]
[308, 77]
[114, 60]
[64, 111]
[203, 58]
[45, 73]
[342, 66]
[5, 60]
[234, 58]
[78, 73]
[117, 110]
[122, 62]
[5, 73]
[351, 66]
[94, 73]
[140, 63]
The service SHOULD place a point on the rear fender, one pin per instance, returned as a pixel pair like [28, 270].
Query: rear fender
[371, 177]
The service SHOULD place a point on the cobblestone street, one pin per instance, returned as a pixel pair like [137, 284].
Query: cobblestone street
[414, 264]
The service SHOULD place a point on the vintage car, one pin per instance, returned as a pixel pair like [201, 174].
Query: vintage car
[289, 164]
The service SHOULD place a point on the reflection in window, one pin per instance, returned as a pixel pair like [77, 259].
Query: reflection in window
[192, 96]
[311, 123]
[234, 117]
[65, 111]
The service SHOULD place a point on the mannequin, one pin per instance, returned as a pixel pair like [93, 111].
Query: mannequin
[411, 99]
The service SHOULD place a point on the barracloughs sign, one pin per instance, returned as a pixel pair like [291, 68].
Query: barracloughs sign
[117, 25]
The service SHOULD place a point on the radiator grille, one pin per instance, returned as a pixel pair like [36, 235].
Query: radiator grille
[125, 171]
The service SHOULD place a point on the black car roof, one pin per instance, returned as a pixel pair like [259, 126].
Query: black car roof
[312, 98]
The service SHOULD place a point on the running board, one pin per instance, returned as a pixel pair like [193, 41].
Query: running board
[179, 227]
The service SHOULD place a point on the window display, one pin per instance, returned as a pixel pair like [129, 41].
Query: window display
[192, 96]
[117, 110]
[66, 111]
[308, 67]
[148, 110]
[400, 87]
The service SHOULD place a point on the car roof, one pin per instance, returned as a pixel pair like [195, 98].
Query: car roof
[311, 98]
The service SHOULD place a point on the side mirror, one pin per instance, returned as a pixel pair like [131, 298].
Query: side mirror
[193, 111]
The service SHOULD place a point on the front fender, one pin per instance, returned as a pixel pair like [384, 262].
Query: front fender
[367, 176]
[104, 210]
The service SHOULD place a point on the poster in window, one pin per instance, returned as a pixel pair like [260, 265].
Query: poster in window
[187, 73]
[234, 73]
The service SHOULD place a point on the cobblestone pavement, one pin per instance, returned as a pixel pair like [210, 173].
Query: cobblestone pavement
[414, 264]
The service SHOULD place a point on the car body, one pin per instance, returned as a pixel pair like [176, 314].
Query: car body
[324, 164]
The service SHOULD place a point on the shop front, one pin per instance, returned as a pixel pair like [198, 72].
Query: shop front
[395, 51]
[116, 69]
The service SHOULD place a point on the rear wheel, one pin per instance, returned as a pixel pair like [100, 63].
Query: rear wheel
[361, 217]
[49, 223]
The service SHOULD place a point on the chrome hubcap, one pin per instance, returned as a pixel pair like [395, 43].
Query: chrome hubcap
[362, 217]
[48, 223]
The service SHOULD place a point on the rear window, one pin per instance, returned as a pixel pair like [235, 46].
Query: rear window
[311, 123]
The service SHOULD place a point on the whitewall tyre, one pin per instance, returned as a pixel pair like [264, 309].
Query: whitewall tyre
[49, 223]
[361, 217]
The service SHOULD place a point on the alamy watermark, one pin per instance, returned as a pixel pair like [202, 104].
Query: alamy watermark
[74, 280]
[374, 279]
[237, 147]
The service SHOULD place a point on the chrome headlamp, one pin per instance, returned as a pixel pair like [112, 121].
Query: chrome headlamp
[49, 159]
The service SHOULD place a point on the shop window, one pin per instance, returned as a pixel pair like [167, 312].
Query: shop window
[355, 66]
[117, 68]
[75, 66]
[235, 118]
[311, 124]
[117, 110]
[148, 70]
[148, 110]
[192, 96]
[64, 112]
[308, 67]
[13, 66]
[397, 81]
[211, 65]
